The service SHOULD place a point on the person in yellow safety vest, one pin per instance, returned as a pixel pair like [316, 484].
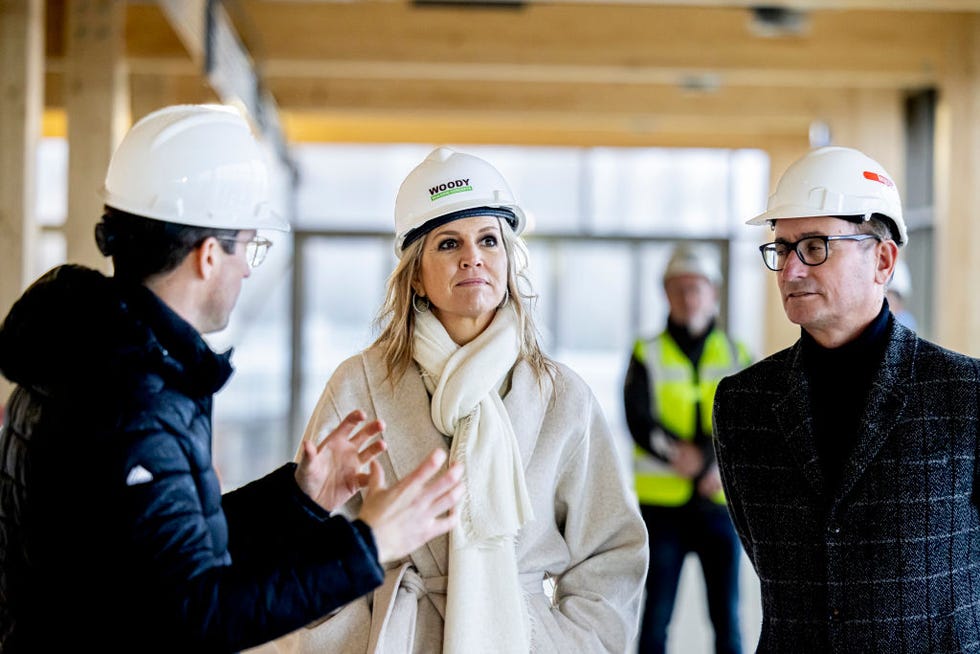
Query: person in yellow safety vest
[668, 394]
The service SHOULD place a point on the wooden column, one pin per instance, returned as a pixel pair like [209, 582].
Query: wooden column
[97, 106]
[21, 105]
[957, 309]
[872, 120]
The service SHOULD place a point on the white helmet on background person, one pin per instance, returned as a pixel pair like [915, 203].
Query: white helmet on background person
[840, 182]
[689, 259]
[195, 165]
[450, 185]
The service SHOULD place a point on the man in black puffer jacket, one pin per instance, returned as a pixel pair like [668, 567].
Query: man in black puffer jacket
[113, 532]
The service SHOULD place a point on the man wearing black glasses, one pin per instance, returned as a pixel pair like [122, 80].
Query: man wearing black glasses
[849, 458]
[114, 534]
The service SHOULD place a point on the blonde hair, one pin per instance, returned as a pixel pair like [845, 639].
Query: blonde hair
[396, 319]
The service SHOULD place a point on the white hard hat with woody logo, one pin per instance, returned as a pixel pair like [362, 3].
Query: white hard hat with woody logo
[450, 185]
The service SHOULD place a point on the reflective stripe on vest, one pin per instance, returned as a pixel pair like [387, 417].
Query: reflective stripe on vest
[677, 389]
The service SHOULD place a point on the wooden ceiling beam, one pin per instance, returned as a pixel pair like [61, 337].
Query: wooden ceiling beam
[584, 74]
[501, 98]
[836, 5]
[594, 36]
[504, 97]
[593, 45]
[554, 129]
[574, 71]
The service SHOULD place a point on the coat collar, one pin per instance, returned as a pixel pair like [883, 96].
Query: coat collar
[527, 402]
[174, 345]
[793, 420]
[404, 406]
[886, 403]
[882, 411]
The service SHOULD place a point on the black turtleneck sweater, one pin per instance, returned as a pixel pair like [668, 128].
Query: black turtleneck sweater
[840, 379]
[636, 393]
[692, 345]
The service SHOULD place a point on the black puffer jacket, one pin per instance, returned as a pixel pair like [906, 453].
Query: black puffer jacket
[113, 531]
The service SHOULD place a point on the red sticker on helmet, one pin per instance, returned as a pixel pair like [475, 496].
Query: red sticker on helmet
[875, 177]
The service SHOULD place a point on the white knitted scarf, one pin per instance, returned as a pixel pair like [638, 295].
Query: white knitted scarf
[485, 607]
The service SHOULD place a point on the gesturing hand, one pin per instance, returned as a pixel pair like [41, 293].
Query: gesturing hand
[415, 510]
[330, 472]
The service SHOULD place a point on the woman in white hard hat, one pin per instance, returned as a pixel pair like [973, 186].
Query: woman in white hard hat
[458, 366]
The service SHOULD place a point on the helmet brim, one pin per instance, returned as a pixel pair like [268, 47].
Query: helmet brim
[264, 218]
[788, 212]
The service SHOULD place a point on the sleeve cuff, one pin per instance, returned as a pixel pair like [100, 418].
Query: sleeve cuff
[367, 535]
[299, 499]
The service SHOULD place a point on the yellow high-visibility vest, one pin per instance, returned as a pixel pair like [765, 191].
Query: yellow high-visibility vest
[677, 390]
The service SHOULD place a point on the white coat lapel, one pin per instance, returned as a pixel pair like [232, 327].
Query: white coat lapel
[409, 434]
[526, 403]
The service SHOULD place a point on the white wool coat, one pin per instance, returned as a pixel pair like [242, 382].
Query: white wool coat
[582, 561]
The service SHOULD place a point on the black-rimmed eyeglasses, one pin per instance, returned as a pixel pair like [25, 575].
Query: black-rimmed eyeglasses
[811, 250]
[255, 248]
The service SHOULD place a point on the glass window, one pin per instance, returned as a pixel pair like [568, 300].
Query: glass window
[546, 181]
[592, 292]
[750, 184]
[251, 428]
[541, 255]
[651, 301]
[52, 251]
[645, 191]
[52, 182]
[592, 325]
[344, 285]
[352, 187]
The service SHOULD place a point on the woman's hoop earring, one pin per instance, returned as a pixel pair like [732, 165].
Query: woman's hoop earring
[420, 303]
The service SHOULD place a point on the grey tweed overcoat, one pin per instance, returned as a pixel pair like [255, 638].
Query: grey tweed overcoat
[890, 560]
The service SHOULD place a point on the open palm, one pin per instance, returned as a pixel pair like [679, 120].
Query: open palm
[330, 468]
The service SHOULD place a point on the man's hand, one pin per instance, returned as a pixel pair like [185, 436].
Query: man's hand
[710, 483]
[688, 460]
[330, 472]
[415, 510]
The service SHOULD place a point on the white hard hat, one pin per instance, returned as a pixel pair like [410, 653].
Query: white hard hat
[836, 181]
[446, 186]
[691, 260]
[196, 165]
[901, 281]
